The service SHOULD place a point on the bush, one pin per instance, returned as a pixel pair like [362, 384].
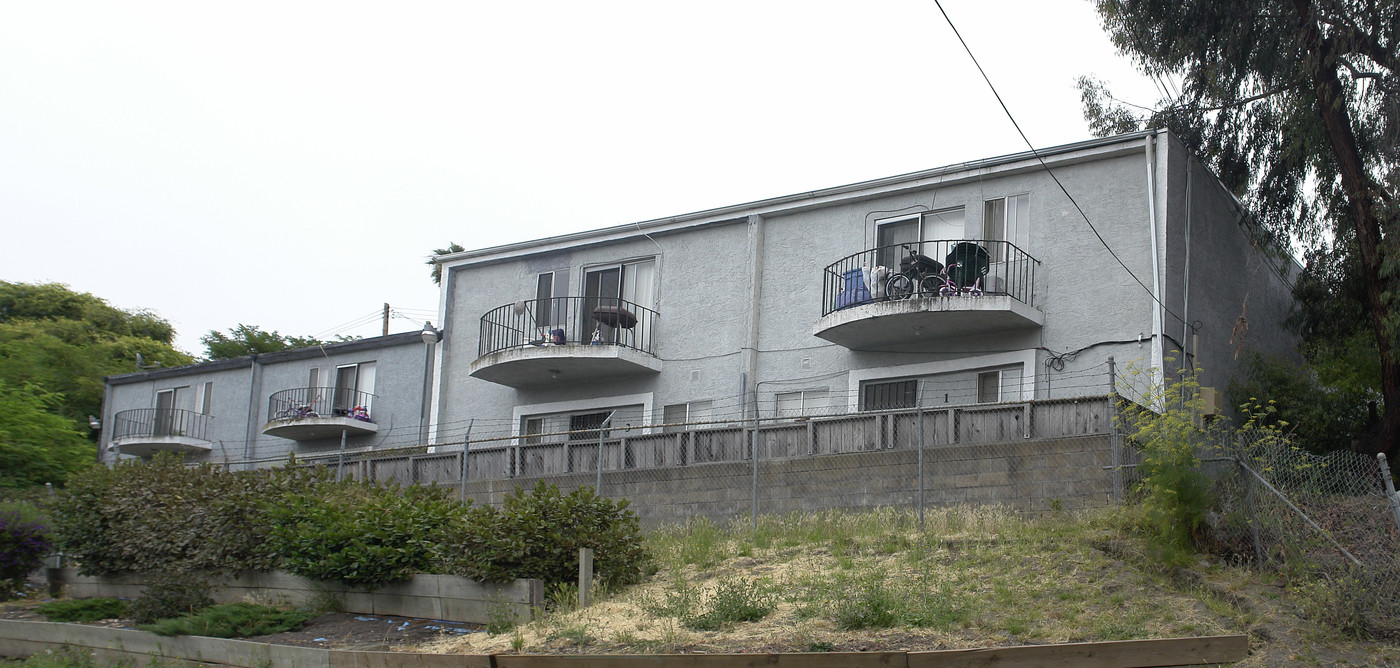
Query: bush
[363, 536]
[734, 600]
[23, 545]
[149, 517]
[171, 594]
[538, 535]
[1176, 492]
[231, 620]
[82, 609]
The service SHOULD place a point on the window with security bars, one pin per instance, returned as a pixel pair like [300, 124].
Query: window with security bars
[889, 395]
[585, 426]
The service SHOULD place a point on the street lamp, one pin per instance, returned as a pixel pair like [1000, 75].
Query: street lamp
[431, 335]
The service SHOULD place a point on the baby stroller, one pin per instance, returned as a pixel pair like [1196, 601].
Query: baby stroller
[967, 264]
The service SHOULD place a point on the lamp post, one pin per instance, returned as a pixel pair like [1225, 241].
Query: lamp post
[431, 335]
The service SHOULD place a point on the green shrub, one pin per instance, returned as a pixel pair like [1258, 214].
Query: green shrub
[171, 594]
[734, 600]
[363, 536]
[23, 545]
[231, 620]
[1176, 492]
[149, 517]
[538, 535]
[873, 605]
[82, 609]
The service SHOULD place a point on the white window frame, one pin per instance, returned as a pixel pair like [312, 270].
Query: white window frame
[1014, 226]
[1024, 358]
[807, 400]
[999, 390]
[646, 399]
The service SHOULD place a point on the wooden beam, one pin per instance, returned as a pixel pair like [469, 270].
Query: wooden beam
[1116, 654]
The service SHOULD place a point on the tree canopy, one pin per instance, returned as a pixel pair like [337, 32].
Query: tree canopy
[56, 345]
[1294, 105]
[250, 339]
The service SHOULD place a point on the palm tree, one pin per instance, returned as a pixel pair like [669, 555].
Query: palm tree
[452, 247]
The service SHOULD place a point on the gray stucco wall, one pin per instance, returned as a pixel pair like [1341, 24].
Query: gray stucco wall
[705, 285]
[241, 389]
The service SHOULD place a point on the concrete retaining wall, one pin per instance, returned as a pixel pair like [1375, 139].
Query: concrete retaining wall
[445, 597]
[1030, 474]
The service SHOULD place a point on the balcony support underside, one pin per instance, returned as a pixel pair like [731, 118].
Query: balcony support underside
[918, 323]
[532, 366]
[146, 446]
[318, 428]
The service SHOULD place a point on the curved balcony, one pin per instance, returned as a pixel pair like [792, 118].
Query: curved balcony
[313, 413]
[566, 339]
[146, 431]
[881, 299]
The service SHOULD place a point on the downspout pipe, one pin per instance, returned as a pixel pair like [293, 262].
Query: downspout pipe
[1157, 331]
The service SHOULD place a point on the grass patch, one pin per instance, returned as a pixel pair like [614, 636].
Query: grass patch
[734, 600]
[231, 620]
[82, 609]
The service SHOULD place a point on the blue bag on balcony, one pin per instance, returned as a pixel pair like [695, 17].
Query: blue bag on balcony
[854, 291]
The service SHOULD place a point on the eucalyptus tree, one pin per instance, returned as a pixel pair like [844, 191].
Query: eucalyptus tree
[1296, 107]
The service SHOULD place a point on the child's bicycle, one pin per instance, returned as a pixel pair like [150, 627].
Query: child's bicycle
[296, 411]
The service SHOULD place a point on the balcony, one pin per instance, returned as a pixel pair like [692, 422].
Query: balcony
[954, 288]
[145, 431]
[314, 413]
[566, 339]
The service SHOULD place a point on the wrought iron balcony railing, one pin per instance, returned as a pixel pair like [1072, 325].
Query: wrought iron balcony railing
[320, 402]
[563, 321]
[953, 268]
[160, 423]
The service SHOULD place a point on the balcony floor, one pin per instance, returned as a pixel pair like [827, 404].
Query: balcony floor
[145, 446]
[316, 428]
[907, 324]
[544, 365]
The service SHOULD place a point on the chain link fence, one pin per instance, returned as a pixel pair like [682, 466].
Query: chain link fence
[1030, 455]
[1331, 523]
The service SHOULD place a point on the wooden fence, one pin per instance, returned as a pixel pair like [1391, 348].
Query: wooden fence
[653, 447]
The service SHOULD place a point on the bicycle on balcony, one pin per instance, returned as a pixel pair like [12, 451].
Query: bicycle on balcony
[295, 411]
[918, 273]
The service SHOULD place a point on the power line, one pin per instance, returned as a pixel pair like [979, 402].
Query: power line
[1046, 167]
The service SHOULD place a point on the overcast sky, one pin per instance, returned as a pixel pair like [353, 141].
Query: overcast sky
[292, 164]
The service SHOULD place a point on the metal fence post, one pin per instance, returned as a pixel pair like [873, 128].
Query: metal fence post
[602, 434]
[1114, 444]
[1253, 514]
[1390, 493]
[754, 453]
[340, 465]
[919, 415]
[466, 452]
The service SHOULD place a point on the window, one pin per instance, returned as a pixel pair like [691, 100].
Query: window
[532, 429]
[587, 426]
[804, 402]
[618, 286]
[679, 416]
[944, 225]
[204, 396]
[1006, 219]
[354, 386]
[889, 395]
[989, 387]
[167, 401]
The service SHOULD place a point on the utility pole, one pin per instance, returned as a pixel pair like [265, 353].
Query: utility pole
[386, 318]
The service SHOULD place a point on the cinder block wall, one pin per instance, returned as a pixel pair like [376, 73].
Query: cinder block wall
[1028, 475]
